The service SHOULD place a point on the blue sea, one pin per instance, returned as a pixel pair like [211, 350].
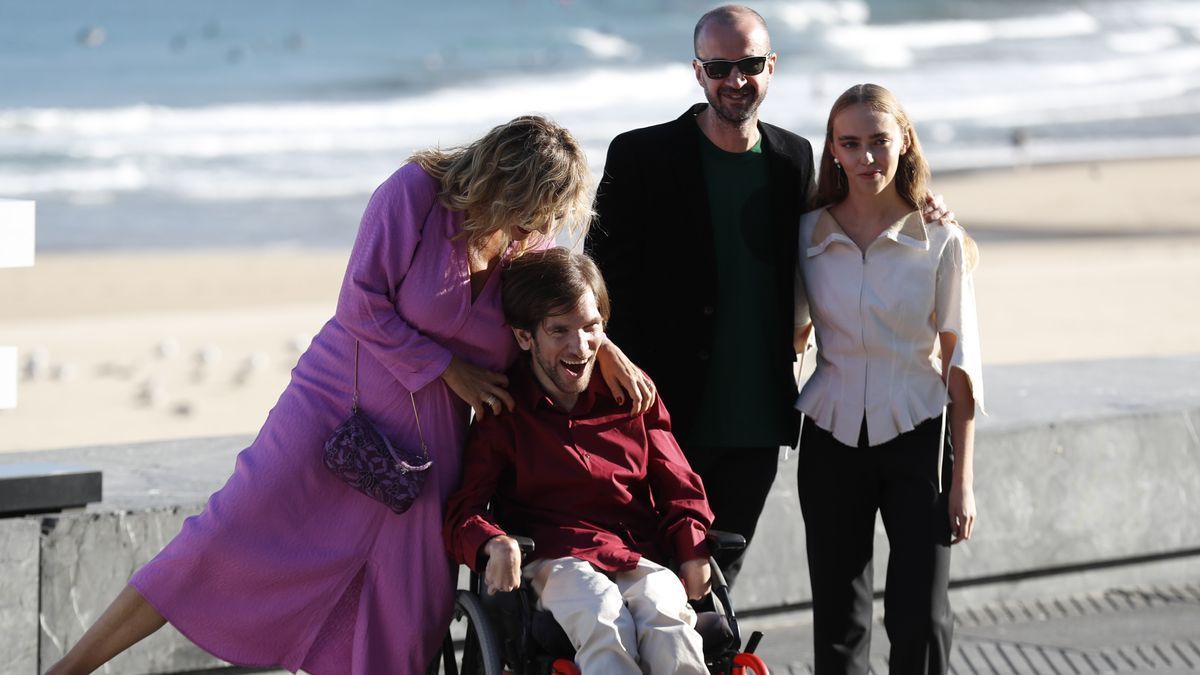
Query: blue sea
[168, 124]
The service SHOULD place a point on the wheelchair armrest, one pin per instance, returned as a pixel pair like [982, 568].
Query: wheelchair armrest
[721, 542]
[526, 545]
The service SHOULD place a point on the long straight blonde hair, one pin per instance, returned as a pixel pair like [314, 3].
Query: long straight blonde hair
[529, 173]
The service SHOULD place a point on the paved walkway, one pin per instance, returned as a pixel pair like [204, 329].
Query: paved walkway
[1151, 629]
[1121, 630]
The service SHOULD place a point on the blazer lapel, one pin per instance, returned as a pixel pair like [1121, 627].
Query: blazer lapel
[697, 239]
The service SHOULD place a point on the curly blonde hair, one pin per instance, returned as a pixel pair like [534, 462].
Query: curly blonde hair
[529, 173]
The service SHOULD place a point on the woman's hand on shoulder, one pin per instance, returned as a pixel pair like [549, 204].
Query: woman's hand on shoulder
[484, 390]
[624, 379]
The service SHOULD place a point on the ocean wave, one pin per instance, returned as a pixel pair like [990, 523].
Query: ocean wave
[807, 14]
[1150, 40]
[447, 116]
[604, 46]
[1170, 12]
[930, 35]
[972, 83]
[893, 45]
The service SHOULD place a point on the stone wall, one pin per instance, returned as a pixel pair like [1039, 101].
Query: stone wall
[87, 559]
[19, 582]
[1052, 499]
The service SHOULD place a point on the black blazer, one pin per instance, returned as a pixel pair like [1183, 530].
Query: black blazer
[652, 238]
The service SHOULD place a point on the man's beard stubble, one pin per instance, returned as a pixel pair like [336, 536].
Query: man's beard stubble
[737, 117]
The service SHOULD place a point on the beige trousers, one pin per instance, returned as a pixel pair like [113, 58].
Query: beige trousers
[631, 622]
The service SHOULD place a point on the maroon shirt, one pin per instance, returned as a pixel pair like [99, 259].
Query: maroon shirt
[598, 483]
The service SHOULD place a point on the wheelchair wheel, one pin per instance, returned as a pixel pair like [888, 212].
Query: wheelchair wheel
[481, 653]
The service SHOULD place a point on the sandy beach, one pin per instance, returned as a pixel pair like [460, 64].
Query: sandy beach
[1078, 262]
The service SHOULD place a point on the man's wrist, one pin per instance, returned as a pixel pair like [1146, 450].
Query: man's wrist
[500, 543]
[501, 540]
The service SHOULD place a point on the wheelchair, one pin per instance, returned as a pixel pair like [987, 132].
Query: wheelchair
[507, 635]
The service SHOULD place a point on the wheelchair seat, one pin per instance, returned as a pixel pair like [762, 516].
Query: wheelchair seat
[532, 642]
[514, 612]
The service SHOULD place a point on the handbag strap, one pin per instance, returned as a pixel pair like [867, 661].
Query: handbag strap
[354, 405]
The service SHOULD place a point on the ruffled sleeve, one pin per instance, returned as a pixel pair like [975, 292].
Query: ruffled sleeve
[383, 252]
[955, 311]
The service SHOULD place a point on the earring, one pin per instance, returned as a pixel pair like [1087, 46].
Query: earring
[837, 163]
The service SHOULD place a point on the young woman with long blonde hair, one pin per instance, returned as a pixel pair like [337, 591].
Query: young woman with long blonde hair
[898, 366]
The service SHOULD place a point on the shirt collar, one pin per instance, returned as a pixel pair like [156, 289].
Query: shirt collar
[909, 231]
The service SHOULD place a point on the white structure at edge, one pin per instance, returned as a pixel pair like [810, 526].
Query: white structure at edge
[16, 250]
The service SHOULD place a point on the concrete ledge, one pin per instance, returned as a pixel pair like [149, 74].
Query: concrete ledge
[1054, 496]
[37, 487]
[1076, 466]
[1084, 471]
[79, 561]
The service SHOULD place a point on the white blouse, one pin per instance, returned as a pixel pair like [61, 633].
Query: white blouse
[877, 316]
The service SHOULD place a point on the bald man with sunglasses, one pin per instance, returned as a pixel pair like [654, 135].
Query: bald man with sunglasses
[696, 233]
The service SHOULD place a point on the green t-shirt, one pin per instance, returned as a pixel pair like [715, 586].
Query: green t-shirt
[738, 408]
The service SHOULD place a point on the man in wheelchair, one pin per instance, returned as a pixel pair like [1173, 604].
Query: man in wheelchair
[606, 494]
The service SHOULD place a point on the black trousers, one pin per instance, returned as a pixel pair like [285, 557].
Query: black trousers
[737, 481]
[841, 488]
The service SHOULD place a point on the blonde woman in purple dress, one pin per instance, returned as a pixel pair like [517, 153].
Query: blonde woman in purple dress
[289, 567]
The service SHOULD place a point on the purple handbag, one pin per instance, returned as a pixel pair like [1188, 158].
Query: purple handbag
[358, 454]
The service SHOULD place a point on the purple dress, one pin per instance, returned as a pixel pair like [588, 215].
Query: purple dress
[288, 566]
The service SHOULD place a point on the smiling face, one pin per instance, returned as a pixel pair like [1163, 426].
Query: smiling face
[868, 144]
[563, 350]
[543, 224]
[521, 232]
[736, 97]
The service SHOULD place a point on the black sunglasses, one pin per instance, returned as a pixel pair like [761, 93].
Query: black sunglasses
[719, 69]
